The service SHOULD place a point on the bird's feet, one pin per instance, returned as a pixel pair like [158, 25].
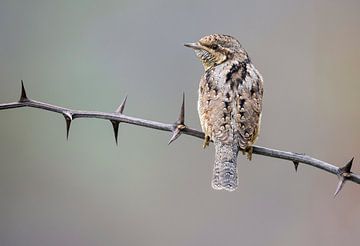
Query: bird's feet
[248, 151]
[206, 141]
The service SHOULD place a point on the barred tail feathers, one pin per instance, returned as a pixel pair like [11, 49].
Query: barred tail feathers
[225, 169]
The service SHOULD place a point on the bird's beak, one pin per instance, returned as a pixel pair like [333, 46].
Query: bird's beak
[194, 45]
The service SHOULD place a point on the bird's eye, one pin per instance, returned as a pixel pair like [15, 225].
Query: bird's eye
[214, 46]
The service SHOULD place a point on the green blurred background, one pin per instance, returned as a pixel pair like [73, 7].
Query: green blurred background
[88, 191]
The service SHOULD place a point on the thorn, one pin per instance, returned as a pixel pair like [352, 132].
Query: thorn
[120, 109]
[344, 173]
[339, 186]
[115, 125]
[346, 168]
[181, 118]
[175, 135]
[23, 97]
[68, 118]
[68, 123]
[179, 125]
[296, 165]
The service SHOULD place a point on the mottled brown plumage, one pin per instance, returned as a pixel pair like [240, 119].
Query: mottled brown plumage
[229, 105]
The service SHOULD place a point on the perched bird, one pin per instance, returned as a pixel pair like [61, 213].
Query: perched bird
[229, 104]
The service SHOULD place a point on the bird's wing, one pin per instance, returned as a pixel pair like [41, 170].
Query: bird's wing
[248, 104]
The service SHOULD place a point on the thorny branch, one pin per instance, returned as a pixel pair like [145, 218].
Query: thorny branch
[344, 173]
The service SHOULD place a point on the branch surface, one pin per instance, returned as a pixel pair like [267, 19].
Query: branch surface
[344, 173]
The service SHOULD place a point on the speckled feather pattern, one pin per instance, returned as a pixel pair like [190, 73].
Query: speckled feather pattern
[229, 105]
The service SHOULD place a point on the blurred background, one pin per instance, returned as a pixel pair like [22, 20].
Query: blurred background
[90, 54]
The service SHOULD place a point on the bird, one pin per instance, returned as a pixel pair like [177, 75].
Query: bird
[229, 104]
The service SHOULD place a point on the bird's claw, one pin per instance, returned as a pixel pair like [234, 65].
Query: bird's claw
[206, 141]
[248, 151]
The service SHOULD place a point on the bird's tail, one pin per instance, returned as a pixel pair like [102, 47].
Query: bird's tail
[225, 171]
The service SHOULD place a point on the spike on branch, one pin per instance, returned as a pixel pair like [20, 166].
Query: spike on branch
[179, 125]
[68, 119]
[176, 134]
[339, 186]
[181, 118]
[296, 165]
[344, 173]
[120, 109]
[115, 123]
[23, 97]
[347, 167]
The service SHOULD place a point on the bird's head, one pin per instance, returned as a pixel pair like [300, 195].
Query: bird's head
[215, 49]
